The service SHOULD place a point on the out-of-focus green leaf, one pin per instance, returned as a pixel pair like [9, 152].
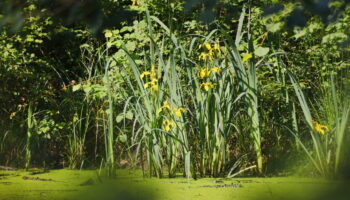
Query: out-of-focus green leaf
[261, 51]
[76, 87]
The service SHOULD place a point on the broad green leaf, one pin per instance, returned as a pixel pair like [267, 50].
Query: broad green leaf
[87, 88]
[334, 37]
[300, 34]
[122, 138]
[120, 118]
[129, 115]
[76, 87]
[274, 27]
[261, 51]
[108, 34]
[131, 46]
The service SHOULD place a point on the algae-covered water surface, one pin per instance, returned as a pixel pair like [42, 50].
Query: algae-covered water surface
[129, 184]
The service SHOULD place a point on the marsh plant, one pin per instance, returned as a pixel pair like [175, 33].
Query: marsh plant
[216, 79]
[328, 125]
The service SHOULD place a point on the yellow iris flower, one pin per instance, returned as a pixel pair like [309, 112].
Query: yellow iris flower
[203, 73]
[207, 86]
[320, 128]
[168, 125]
[217, 48]
[209, 51]
[179, 111]
[207, 46]
[206, 56]
[165, 106]
[146, 73]
[154, 87]
[152, 73]
[153, 83]
[215, 69]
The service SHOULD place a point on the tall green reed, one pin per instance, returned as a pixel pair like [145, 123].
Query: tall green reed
[107, 89]
[110, 120]
[76, 140]
[245, 69]
[213, 98]
[99, 89]
[30, 126]
[81, 121]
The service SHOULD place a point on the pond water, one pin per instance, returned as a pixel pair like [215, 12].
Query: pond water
[129, 185]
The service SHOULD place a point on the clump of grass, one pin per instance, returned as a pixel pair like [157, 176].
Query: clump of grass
[327, 126]
[217, 78]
